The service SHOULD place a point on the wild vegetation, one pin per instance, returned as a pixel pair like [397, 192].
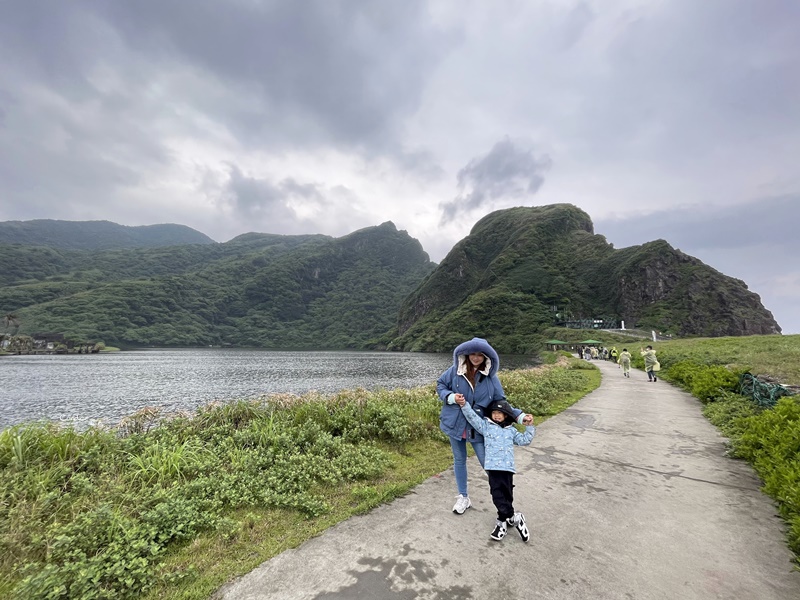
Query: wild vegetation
[172, 508]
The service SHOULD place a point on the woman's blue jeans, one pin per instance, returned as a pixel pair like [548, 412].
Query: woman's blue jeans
[460, 460]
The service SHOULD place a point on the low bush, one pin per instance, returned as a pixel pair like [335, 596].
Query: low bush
[705, 382]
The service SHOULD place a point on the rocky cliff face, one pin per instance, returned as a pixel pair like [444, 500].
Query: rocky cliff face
[521, 266]
[668, 289]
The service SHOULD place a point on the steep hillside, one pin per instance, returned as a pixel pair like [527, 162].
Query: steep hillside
[97, 235]
[520, 267]
[256, 290]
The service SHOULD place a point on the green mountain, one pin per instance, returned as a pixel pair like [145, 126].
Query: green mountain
[97, 235]
[262, 290]
[518, 272]
[521, 269]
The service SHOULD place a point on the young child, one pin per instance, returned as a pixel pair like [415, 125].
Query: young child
[625, 361]
[500, 435]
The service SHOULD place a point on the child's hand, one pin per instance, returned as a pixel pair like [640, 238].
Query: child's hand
[460, 400]
[527, 420]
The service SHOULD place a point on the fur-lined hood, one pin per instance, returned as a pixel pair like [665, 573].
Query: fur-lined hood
[476, 345]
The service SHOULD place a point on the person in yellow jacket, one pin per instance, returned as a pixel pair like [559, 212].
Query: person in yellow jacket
[624, 361]
[650, 363]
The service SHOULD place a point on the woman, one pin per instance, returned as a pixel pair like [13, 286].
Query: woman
[472, 377]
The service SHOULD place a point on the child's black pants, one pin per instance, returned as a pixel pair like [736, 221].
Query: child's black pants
[501, 484]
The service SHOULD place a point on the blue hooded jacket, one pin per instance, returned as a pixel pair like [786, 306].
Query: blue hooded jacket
[454, 381]
[500, 441]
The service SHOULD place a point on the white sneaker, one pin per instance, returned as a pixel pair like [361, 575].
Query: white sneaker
[462, 504]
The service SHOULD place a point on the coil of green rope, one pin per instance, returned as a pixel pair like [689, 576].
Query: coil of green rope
[763, 394]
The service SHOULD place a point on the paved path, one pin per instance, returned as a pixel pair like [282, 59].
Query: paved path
[629, 495]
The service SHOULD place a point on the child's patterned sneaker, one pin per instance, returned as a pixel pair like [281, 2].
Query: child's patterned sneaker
[499, 532]
[518, 521]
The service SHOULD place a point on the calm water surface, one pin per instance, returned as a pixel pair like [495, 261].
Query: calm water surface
[84, 389]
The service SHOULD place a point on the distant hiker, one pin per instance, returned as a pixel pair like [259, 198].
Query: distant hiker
[500, 436]
[625, 362]
[650, 363]
[613, 353]
[587, 353]
[593, 350]
[473, 379]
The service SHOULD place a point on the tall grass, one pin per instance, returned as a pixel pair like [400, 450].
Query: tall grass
[172, 507]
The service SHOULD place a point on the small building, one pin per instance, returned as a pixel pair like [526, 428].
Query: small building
[47, 341]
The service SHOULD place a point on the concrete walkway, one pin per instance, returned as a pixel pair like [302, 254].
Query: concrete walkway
[628, 495]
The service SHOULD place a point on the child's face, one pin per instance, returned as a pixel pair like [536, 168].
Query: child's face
[498, 416]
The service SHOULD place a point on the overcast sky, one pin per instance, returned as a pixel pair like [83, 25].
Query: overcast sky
[675, 119]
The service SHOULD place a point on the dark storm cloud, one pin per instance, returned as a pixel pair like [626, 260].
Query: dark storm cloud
[311, 71]
[506, 172]
[93, 94]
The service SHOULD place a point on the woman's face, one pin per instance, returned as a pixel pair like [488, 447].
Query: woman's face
[476, 358]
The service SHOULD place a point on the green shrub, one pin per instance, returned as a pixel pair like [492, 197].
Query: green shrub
[730, 412]
[705, 382]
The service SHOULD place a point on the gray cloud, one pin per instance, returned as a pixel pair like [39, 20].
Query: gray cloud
[283, 205]
[507, 172]
[312, 72]
[771, 221]
[249, 196]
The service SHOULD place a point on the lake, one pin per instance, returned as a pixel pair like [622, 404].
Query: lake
[82, 389]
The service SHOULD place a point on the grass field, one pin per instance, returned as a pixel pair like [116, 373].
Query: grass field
[775, 357]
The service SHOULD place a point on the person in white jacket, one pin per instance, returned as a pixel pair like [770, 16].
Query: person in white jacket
[500, 436]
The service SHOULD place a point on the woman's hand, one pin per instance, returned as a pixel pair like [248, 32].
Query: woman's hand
[527, 420]
[460, 399]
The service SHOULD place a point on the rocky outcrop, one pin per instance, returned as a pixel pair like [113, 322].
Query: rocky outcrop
[668, 289]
